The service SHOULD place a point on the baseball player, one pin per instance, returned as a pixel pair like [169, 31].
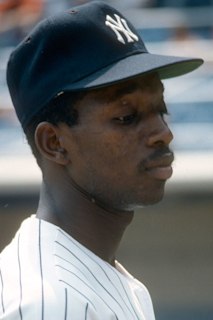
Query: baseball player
[89, 97]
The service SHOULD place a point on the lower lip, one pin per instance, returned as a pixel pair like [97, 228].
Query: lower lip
[160, 173]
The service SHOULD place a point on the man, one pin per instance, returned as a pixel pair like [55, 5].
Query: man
[90, 99]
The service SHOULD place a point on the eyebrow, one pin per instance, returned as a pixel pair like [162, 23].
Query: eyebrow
[128, 89]
[125, 89]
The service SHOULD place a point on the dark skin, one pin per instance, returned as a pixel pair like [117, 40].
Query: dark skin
[114, 160]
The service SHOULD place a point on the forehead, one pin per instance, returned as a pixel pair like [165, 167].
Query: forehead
[150, 82]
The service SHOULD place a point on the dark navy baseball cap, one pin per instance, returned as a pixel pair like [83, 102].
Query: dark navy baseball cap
[84, 48]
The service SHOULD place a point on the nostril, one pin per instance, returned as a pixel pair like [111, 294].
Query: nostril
[159, 144]
[159, 138]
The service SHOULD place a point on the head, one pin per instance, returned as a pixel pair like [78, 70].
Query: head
[90, 99]
[113, 142]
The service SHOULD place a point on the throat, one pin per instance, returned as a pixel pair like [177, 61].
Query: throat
[97, 228]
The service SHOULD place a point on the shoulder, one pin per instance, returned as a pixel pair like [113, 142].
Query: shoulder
[29, 284]
[26, 292]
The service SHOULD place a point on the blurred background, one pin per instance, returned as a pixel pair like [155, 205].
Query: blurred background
[168, 246]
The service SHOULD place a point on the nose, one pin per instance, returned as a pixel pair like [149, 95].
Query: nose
[160, 133]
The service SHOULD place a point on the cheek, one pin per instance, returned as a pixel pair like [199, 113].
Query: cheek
[115, 153]
[130, 145]
[113, 150]
[114, 147]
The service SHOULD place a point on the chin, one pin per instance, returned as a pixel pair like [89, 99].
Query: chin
[151, 198]
[153, 201]
[137, 198]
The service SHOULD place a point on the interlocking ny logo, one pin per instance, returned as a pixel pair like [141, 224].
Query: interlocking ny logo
[120, 26]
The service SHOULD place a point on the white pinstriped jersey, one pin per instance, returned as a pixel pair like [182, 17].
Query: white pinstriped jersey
[47, 275]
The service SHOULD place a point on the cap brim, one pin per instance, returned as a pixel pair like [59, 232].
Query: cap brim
[135, 65]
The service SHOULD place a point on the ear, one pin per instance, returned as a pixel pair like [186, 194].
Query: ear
[47, 139]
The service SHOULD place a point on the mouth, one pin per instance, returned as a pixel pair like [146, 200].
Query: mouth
[160, 168]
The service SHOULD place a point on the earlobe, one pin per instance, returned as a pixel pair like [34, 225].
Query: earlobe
[47, 139]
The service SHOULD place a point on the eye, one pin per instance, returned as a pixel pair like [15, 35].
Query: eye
[127, 119]
[163, 111]
[164, 115]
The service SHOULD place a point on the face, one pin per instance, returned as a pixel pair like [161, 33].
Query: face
[119, 151]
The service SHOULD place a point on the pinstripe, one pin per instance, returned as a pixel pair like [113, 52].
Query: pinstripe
[2, 290]
[72, 264]
[84, 274]
[95, 284]
[86, 286]
[65, 308]
[80, 271]
[20, 283]
[41, 273]
[133, 312]
[68, 284]
[86, 311]
[93, 277]
[126, 294]
[116, 289]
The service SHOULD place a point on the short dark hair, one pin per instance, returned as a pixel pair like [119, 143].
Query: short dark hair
[60, 109]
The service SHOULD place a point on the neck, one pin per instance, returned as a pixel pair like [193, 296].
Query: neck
[98, 228]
